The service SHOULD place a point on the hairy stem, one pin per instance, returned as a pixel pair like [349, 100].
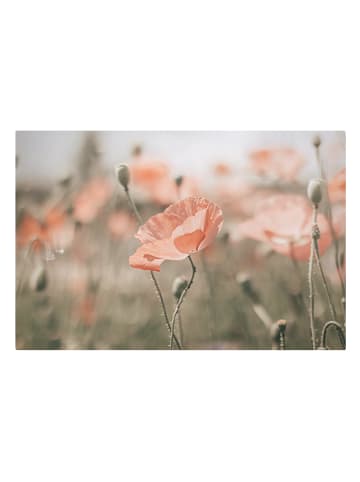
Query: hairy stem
[323, 278]
[133, 206]
[311, 287]
[180, 300]
[282, 340]
[330, 218]
[155, 281]
[181, 333]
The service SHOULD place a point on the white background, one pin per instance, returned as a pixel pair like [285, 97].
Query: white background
[134, 416]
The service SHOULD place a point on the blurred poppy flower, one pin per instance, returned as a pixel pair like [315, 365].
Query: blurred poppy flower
[147, 173]
[240, 199]
[121, 225]
[54, 230]
[84, 210]
[337, 187]
[222, 169]
[338, 213]
[183, 228]
[167, 192]
[280, 163]
[154, 178]
[285, 223]
[91, 199]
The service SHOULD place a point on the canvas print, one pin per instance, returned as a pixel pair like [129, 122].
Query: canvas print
[180, 240]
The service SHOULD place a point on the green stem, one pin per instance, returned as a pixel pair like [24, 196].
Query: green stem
[325, 284]
[155, 281]
[311, 288]
[339, 331]
[282, 340]
[181, 333]
[330, 218]
[180, 300]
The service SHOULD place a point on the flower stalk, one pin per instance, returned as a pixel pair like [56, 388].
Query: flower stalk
[317, 144]
[123, 178]
[180, 300]
[339, 331]
[315, 196]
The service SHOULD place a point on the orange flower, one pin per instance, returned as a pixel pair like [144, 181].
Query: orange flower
[337, 187]
[146, 173]
[121, 225]
[29, 229]
[53, 229]
[166, 191]
[183, 228]
[285, 223]
[240, 199]
[222, 169]
[91, 199]
[339, 219]
[280, 163]
[154, 178]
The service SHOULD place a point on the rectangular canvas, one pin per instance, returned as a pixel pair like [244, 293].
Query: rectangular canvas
[180, 240]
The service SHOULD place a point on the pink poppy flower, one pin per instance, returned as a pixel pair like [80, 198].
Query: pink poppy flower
[222, 169]
[154, 179]
[339, 219]
[240, 199]
[121, 225]
[146, 173]
[53, 230]
[166, 191]
[91, 199]
[337, 187]
[280, 163]
[184, 228]
[285, 223]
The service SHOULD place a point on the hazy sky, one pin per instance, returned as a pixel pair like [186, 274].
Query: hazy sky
[50, 155]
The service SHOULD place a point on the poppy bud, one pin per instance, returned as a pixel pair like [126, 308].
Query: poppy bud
[314, 191]
[65, 182]
[38, 280]
[123, 175]
[179, 284]
[281, 324]
[137, 151]
[316, 141]
[179, 180]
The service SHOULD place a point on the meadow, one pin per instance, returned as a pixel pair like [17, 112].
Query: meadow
[266, 251]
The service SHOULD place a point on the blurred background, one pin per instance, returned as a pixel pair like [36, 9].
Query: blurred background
[75, 233]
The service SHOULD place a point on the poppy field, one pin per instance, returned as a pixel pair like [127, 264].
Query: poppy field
[146, 253]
